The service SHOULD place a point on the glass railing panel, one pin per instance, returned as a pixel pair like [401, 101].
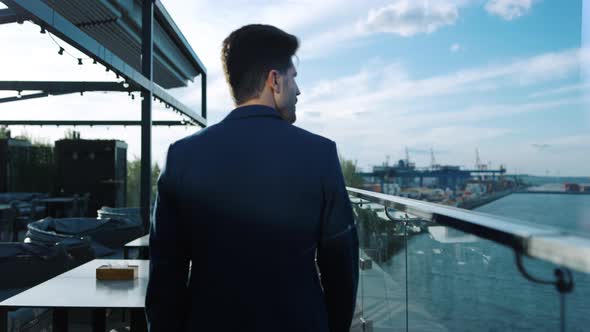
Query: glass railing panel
[578, 304]
[381, 304]
[461, 282]
[573, 213]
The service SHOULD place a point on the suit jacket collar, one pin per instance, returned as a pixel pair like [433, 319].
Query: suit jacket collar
[253, 111]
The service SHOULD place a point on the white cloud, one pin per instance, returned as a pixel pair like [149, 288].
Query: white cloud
[327, 42]
[478, 113]
[386, 132]
[447, 137]
[456, 47]
[370, 116]
[509, 9]
[370, 112]
[33, 56]
[570, 142]
[410, 17]
[523, 157]
[572, 88]
[558, 155]
[381, 86]
[322, 26]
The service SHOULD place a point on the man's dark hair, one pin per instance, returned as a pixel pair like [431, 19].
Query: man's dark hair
[250, 52]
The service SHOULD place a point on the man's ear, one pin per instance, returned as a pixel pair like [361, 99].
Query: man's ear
[272, 81]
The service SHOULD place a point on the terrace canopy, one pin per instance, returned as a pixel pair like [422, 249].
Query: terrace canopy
[135, 39]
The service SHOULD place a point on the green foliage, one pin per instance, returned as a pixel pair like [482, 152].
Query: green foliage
[4, 132]
[351, 174]
[32, 169]
[72, 134]
[381, 239]
[35, 141]
[133, 180]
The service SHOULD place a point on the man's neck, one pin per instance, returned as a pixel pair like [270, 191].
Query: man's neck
[264, 100]
[257, 101]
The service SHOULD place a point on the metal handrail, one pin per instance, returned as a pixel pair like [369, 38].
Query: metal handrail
[541, 242]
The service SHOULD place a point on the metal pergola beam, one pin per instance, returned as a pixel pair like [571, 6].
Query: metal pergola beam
[168, 24]
[42, 14]
[88, 123]
[23, 97]
[55, 87]
[65, 30]
[131, 24]
[7, 16]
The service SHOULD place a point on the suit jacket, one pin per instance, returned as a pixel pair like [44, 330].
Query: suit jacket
[251, 202]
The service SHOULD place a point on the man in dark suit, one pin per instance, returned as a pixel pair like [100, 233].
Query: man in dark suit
[251, 202]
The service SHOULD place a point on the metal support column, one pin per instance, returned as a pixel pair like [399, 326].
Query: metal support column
[99, 320]
[3, 319]
[60, 319]
[8, 16]
[146, 111]
[204, 95]
[138, 322]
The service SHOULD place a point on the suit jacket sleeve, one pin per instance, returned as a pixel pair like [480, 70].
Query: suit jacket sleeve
[167, 299]
[338, 248]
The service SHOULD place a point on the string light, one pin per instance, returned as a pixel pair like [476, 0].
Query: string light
[42, 30]
[79, 61]
[19, 96]
[63, 50]
[125, 84]
[94, 61]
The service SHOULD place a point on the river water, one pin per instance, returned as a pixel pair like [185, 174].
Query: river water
[457, 282]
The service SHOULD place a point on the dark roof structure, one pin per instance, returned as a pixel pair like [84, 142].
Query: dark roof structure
[137, 40]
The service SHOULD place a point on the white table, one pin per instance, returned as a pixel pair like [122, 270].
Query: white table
[78, 288]
[141, 243]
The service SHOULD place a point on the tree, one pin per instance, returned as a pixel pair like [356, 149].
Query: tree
[4, 132]
[35, 141]
[71, 134]
[133, 181]
[352, 178]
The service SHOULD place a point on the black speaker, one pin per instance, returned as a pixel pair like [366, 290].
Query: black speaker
[98, 167]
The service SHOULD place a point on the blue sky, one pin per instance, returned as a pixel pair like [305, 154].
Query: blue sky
[502, 76]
